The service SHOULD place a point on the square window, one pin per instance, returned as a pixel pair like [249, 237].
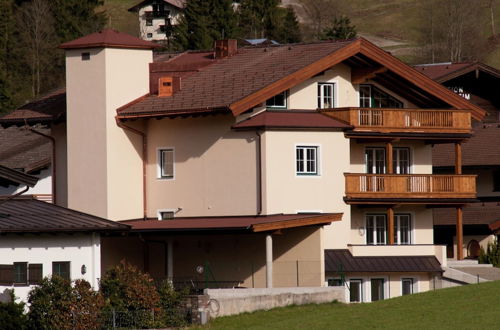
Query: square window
[85, 56]
[326, 95]
[149, 35]
[306, 160]
[21, 273]
[278, 101]
[149, 22]
[166, 163]
[61, 268]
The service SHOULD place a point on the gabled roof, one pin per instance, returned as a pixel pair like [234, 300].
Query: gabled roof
[176, 3]
[254, 74]
[16, 177]
[342, 261]
[442, 72]
[28, 215]
[108, 38]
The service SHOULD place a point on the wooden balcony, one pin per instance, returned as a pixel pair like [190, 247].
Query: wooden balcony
[412, 186]
[382, 120]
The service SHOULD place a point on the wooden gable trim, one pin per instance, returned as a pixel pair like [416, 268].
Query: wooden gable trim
[295, 78]
[309, 221]
[371, 51]
[474, 66]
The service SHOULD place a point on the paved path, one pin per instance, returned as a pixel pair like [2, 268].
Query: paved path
[488, 273]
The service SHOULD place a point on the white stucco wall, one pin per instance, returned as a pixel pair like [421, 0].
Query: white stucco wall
[78, 249]
[175, 15]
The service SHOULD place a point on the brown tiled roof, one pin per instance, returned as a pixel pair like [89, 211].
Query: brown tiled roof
[176, 3]
[22, 149]
[17, 177]
[28, 215]
[108, 38]
[442, 72]
[474, 214]
[227, 80]
[248, 223]
[481, 149]
[46, 109]
[291, 119]
[343, 261]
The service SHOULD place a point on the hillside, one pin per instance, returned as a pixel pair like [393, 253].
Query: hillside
[466, 307]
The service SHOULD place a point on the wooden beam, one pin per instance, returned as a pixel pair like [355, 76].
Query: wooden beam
[359, 76]
[458, 158]
[460, 234]
[390, 225]
[321, 219]
[389, 157]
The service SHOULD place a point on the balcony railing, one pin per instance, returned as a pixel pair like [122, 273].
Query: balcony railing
[409, 186]
[404, 120]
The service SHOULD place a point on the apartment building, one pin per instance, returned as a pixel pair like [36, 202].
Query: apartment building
[270, 166]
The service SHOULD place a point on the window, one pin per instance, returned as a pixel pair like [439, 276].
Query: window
[166, 163]
[166, 215]
[375, 160]
[325, 96]
[85, 56]
[355, 290]
[401, 160]
[61, 268]
[376, 229]
[373, 97]
[35, 273]
[496, 180]
[377, 289]
[407, 286]
[21, 273]
[149, 35]
[402, 230]
[278, 101]
[307, 160]
[335, 282]
[149, 22]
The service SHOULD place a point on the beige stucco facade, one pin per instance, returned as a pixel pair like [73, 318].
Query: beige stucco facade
[152, 31]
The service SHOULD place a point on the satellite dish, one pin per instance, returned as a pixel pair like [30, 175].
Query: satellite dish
[200, 269]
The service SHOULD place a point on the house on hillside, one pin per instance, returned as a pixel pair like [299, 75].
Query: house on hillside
[273, 166]
[157, 18]
[480, 84]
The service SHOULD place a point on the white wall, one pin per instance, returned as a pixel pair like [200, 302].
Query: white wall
[78, 249]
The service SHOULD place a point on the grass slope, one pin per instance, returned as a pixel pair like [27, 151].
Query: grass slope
[467, 307]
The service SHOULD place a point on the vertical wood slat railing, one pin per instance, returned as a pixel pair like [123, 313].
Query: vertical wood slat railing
[412, 185]
[420, 119]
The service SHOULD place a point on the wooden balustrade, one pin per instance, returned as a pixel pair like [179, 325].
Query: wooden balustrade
[404, 120]
[410, 186]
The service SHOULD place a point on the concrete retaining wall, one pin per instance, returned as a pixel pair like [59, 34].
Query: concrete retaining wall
[236, 301]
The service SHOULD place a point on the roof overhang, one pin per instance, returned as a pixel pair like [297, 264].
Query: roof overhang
[17, 177]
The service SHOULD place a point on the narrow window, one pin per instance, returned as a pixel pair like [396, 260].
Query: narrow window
[166, 163]
[325, 95]
[364, 96]
[278, 101]
[402, 230]
[401, 160]
[376, 229]
[306, 160]
[377, 288]
[407, 286]
[355, 291]
[61, 268]
[496, 180]
[35, 273]
[375, 160]
[20, 273]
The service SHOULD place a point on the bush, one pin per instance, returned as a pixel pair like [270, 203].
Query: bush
[86, 307]
[171, 305]
[12, 315]
[491, 255]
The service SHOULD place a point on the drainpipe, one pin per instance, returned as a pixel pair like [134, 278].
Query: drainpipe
[53, 142]
[144, 160]
[259, 172]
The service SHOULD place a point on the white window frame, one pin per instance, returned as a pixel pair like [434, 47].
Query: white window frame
[410, 158]
[361, 286]
[397, 226]
[375, 242]
[278, 107]
[320, 96]
[159, 170]
[386, 287]
[373, 150]
[397, 240]
[317, 173]
[415, 285]
[160, 211]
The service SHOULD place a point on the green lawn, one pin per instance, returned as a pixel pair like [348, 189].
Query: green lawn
[467, 307]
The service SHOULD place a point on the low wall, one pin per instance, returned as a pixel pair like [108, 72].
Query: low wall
[236, 301]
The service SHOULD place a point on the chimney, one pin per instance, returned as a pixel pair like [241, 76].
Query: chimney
[225, 48]
[167, 86]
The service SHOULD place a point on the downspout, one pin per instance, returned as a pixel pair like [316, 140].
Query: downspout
[259, 172]
[53, 142]
[144, 161]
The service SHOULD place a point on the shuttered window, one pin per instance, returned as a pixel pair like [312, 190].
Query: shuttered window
[6, 274]
[35, 273]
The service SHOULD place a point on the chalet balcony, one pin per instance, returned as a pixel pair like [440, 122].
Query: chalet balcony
[380, 187]
[385, 120]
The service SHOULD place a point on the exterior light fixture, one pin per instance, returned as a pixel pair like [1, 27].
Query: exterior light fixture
[84, 269]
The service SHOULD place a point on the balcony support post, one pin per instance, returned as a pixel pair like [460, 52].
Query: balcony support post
[390, 225]
[269, 261]
[458, 158]
[388, 158]
[460, 234]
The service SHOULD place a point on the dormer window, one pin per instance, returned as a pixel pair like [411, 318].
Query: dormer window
[326, 96]
[278, 101]
[373, 97]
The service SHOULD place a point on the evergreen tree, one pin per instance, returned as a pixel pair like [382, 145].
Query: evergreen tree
[289, 31]
[341, 29]
[205, 21]
[259, 18]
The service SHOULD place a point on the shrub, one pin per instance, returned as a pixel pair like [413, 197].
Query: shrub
[12, 315]
[86, 306]
[171, 305]
[491, 255]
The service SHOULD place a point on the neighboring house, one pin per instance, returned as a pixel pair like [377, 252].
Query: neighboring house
[40, 239]
[480, 84]
[157, 18]
[275, 166]
[25, 151]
